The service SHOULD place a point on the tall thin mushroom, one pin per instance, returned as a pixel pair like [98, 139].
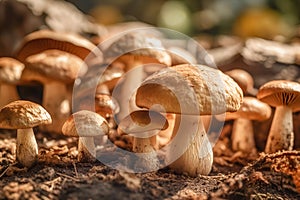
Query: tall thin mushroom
[285, 97]
[135, 50]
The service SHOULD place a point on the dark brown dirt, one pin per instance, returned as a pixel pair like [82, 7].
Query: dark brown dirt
[59, 176]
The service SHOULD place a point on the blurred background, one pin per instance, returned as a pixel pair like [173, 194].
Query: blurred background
[244, 18]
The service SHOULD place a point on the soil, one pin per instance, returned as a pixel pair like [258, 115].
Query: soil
[58, 175]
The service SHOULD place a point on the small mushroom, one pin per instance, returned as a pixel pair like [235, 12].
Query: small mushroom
[10, 74]
[135, 50]
[285, 96]
[23, 116]
[144, 126]
[242, 136]
[86, 125]
[55, 69]
[190, 91]
[244, 79]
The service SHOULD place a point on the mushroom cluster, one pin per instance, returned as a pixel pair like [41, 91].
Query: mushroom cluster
[147, 95]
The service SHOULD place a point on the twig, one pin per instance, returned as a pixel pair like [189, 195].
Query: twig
[67, 176]
[75, 169]
[4, 172]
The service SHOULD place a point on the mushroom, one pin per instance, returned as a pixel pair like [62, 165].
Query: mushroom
[42, 40]
[285, 96]
[23, 116]
[55, 69]
[135, 49]
[242, 136]
[190, 91]
[144, 125]
[86, 125]
[10, 74]
[244, 80]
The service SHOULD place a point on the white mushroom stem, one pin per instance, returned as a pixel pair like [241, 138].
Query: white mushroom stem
[145, 147]
[281, 135]
[132, 81]
[8, 93]
[242, 136]
[56, 102]
[86, 149]
[27, 148]
[189, 138]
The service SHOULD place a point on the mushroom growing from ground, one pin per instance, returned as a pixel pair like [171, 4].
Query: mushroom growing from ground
[55, 69]
[242, 136]
[285, 96]
[135, 50]
[10, 74]
[190, 91]
[144, 125]
[86, 125]
[23, 116]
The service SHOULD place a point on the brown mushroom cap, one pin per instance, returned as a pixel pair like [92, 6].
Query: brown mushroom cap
[105, 103]
[10, 70]
[142, 121]
[53, 65]
[280, 93]
[23, 114]
[41, 40]
[143, 46]
[85, 123]
[252, 109]
[242, 78]
[200, 89]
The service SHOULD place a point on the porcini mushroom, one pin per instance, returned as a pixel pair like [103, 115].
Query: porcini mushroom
[285, 96]
[23, 116]
[42, 40]
[86, 125]
[55, 69]
[244, 79]
[10, 74]
[242, 136]
[144, 125]
[190, 91]
[135, 50]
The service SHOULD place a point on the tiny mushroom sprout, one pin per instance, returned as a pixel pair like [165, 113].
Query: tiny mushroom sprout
[23, 116]
[86, 125]
[244, 79]
[242, 136]
[189, 91]
[55, 69]
[144, 125]
[285, 96]
[135, 50]
[10, 74]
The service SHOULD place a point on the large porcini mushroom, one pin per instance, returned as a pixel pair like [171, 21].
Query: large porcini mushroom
[55, 69]
[23, 116]
[242, 136]
[86, 125]
[190, 91]
[135, 50]
[144, 125]
[10, 74]
[285, 96]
